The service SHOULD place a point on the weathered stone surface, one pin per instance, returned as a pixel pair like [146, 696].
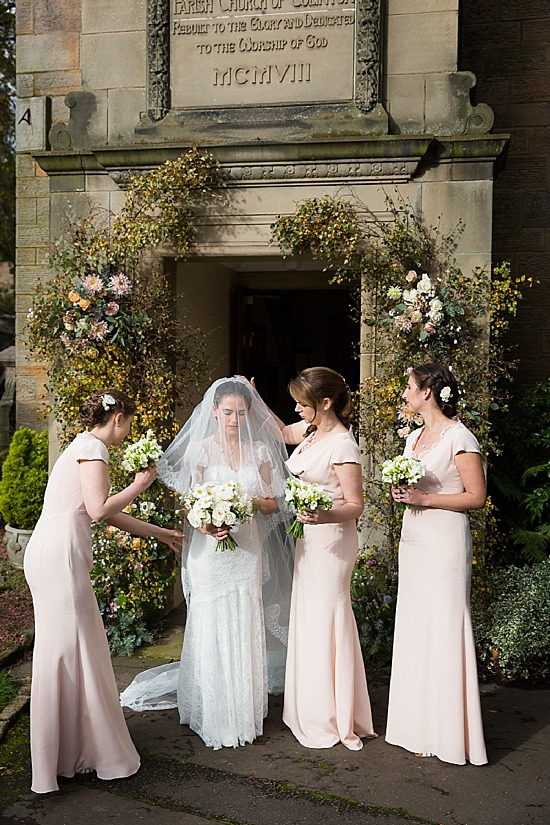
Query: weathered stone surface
[536, 30]
[56, 15]
[495, 89]
[448, 110]
[526, 240]
[529, 88]
[23, 17]
[525, 173]
[520, 59]
[493, 34]
[26, 210]
[25, 85]
[25, 257]
[113, 61]
[27, 276]
[536, 209]
[507, 204]
[520, 9]
[454, 200]
[58, 83]
[521, 114]
[100, 183]
[108, 16]
[31, 124]
[32, 235]
[125, 107]
[539, 140]
[32, 187]
[25, 166]
[475, 12]
[405, 102]
[438, 34]
[49, 52]
[420, 6]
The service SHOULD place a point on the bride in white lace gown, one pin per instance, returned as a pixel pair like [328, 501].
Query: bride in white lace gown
[234, 648]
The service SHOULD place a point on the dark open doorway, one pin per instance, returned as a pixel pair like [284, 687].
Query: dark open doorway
[280, 332]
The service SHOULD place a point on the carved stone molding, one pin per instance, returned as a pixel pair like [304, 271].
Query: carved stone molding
[397, 169]
[158, 58]
[368, 44]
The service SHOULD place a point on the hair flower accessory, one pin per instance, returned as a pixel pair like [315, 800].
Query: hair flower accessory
[107, 401]
[445, 394]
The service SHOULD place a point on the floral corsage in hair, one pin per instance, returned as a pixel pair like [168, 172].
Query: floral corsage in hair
[445, 394]
[107, 401]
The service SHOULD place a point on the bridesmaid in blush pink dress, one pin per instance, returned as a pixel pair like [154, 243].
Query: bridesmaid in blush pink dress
[434, 707]
[326, 697]
[77, 724]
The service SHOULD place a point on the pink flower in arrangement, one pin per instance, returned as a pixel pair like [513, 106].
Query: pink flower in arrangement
[120, 285]
[403, 432]
[92, 283]
[429, 328]
[411, 276]
[138, 565]
[114, 607]
[112, 308]
[98, 330]
[403, 323]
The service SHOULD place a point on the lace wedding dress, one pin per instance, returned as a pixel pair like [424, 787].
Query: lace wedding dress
[221, 684]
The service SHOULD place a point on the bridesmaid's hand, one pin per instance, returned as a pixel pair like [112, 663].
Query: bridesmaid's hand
[408, 494]
[218, 533]
[314, 516]
[250, 381]
[173, 538]
[145, 477]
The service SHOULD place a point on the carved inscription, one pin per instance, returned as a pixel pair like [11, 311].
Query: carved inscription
[254, 52]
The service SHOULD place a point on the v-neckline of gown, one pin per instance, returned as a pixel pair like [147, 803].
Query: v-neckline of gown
[436, 444]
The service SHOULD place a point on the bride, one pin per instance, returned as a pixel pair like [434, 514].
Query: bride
[234, 648]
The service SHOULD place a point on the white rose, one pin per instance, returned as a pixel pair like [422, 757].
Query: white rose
[436, 305]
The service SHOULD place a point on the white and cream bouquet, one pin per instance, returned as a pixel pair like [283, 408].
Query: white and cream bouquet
[219, 504]
[141, 454]
[401, 471]
[300, 496]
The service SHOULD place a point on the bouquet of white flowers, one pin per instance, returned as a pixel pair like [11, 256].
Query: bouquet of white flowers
[300, 495]
[139, 455]
[219, 504]
[401, 471]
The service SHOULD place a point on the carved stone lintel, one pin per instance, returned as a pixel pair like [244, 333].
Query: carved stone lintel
[158, 58]
[397, 168]
[367, 68]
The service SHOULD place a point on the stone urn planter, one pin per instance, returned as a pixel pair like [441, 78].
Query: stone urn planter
[15, 542]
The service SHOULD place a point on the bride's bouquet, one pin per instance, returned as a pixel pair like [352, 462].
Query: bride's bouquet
[300, 495]
[401, 471]
[139, 455]
[219, 504]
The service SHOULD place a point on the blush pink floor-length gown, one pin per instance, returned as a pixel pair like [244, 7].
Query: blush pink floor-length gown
[434, 704]
[326, 697]
[77, 723]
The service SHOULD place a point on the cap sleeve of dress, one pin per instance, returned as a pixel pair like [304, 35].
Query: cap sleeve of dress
[90, 448]
[345, 451]
[297, 429]
[463, 440]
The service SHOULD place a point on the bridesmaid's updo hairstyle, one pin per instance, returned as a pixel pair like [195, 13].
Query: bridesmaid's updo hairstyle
[437, 378]
[312, 385]
[234, 388]
[99, 408]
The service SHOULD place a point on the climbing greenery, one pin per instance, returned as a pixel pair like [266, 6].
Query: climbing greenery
[415, 305]
[104, 319]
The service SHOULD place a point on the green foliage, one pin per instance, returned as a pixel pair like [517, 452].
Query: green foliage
[24, 478]
[373, 599]
[7, 130]
[513, 631]
[520, 477]
[131, 575]
[8, 689]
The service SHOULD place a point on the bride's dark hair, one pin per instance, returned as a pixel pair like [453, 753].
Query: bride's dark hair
[312, 385]
[235, 388]
[436, 376]
[93, 412]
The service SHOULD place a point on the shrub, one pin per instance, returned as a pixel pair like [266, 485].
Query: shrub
[24, 478]
[373, 599]
[513, 632]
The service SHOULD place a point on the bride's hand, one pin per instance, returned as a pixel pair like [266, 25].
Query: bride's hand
[218, 533]
[146, 477]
